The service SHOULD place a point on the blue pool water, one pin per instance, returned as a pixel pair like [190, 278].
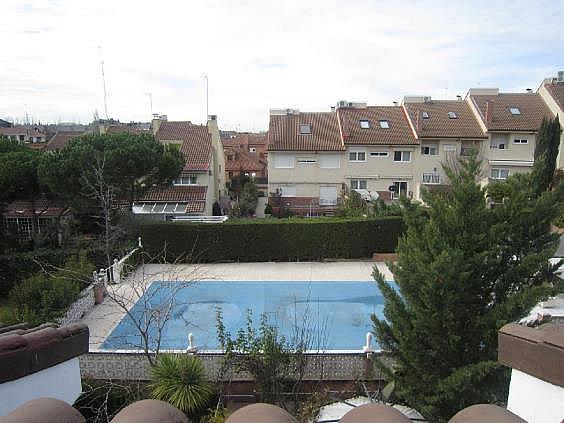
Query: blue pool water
[333, 315]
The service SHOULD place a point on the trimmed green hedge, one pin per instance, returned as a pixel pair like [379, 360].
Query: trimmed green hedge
[271, 239]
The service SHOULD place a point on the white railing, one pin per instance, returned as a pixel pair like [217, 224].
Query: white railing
[199, 219]
[431, 178]
[114, 273]
[327, 202]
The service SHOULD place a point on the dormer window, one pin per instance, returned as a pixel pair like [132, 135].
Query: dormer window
[425, 115]
[365, 124]
[514, 111]
[384, 124]
[305, 129]
[452, 115]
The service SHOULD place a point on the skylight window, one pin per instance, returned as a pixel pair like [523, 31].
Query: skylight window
[452, 115]
[425, 115]
[365, 124]
[514, 111]
[384, 124]
[305, 129]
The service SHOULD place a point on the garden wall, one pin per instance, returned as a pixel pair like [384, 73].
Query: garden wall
[272, 239]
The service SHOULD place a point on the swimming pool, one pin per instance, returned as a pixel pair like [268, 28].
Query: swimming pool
[334, 316]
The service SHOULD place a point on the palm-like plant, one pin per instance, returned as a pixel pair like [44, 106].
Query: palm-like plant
[180, 380]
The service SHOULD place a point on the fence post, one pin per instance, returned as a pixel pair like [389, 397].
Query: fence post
[115, 272]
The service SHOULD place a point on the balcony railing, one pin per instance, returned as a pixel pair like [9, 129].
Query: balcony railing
[431, 178]
[327, 202]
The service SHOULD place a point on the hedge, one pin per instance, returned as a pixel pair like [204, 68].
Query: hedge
[271, 239]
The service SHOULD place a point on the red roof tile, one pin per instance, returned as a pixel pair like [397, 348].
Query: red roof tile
[120, 129]
[284, 132]
[243, 161]
[398, 131]
[556, 91]
[61, 139]
[196, 143]
[21, 130]
[532, 108]
[439, 125]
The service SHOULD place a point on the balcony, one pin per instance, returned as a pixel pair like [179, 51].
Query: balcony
[431, 178]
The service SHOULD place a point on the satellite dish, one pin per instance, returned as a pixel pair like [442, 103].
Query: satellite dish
[392, 188]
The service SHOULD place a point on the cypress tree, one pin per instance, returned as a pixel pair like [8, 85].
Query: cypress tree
[463, 271]
[546, 153]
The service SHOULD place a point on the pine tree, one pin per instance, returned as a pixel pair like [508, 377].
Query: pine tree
[546, 153]
[463, 271]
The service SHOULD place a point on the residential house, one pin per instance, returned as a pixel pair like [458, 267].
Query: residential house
[305, 161]
[511, 122]
[380, 150]
[552, 92]
[202, 181]
[245, 154]
[5, 124]
[33, 137]
[445, 129]
[61, 139]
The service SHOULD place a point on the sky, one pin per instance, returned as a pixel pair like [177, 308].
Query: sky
[261, 54]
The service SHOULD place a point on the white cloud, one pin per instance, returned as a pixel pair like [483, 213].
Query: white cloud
[260, 54]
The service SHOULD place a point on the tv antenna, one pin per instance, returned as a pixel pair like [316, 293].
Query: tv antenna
[104, 83]
[207, 98]
[150, 95]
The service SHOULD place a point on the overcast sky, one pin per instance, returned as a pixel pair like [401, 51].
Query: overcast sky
[261, 54]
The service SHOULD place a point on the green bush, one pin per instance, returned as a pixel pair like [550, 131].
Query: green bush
[180, 380]
[43, 297]
[272, 239]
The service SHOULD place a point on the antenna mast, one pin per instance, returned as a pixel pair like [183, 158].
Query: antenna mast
[207, 98]
[150, 101]
[104, 83]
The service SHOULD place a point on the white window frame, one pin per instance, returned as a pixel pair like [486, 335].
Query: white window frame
[252, 150]
[356, 154]
[515, 111]
[495, 143]
[364, 123]
[452, 115]
[449, 147]
[520, 141]
[306, 160]
[498, 173]
[326, 201]
[288, 162]
[396, 195]
[403, 153]
[384, 124]
[186, 180]
[431, 178]
[303, 126]
[357, 184]
[425, 114]
[290, 188]
[379, 154]
[427, 150]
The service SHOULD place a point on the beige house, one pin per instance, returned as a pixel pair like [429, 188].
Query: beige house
[552, 92]
[445, 129]
[202, 181]
[511, 122]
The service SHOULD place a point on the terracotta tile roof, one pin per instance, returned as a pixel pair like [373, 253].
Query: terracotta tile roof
[556, 90]
[196, 143]
[243, 161]
[284, 132]
[61, 139]
[439, 125]
[398, 131]
[245, 139]
[41, 208]
[20, 130]
[194, 195]
[120, 129]
[532, 107]
[26, 351]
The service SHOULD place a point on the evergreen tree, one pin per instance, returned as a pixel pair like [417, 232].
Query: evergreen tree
[546, 153]
[463, 271]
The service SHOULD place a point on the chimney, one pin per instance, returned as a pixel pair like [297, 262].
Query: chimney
[529, 90]
[459, 97]
[489, 111]
[332, 108]
[395, 103]
[156, 123]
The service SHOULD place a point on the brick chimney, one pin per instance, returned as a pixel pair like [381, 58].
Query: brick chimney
[489, 111]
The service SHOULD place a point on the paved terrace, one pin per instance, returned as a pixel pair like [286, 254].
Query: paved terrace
[105, 317]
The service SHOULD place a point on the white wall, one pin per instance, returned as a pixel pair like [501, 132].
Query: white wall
[535, 400]
[61, 382]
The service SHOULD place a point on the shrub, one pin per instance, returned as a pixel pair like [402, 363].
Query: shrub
[180, 380]
[272, 239]
[43, 297]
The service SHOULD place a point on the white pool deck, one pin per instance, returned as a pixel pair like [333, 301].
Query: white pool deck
[103, 318]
